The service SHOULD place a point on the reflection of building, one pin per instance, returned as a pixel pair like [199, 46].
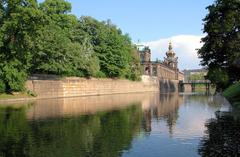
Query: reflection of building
[164, 106]
[167, 69]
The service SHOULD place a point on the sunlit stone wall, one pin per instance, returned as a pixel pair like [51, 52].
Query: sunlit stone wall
[73, 86]
[180, 76]
[187, 88]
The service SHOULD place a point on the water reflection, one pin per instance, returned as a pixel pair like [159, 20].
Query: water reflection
[147, 124]
[166, 107]
[86, 105]
[222, 136]
[103, 134]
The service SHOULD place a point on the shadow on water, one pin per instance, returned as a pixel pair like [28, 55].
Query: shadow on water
[222, 137]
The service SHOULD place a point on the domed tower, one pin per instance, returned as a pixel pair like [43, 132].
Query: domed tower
[145, 54]
[171, 60]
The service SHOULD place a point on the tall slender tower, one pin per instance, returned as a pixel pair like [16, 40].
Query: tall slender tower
[171, 61]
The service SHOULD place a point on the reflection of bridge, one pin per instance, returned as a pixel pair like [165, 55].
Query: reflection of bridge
[190, 86]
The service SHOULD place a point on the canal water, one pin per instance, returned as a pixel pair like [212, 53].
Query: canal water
[126, 125]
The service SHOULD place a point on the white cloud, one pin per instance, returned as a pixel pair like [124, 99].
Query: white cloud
[184, 46]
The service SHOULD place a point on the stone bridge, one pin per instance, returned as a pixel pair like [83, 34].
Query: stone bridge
[190, 86]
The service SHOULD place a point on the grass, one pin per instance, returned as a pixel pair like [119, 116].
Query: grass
[232, 93]
[14, 96]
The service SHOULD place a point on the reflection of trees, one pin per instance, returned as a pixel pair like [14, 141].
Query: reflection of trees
[146, 122]
[103, 134]
[223, 136]
[13, 132]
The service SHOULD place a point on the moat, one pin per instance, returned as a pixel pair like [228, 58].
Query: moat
[127, 125]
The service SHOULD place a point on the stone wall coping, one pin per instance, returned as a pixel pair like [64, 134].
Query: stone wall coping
[43, 77]
[95, 79]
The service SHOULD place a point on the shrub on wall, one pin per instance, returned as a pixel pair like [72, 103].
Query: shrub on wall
[2, 86]
[15, 79]
[232, 93]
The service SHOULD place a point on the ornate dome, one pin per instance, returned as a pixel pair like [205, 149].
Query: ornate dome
[170, 52]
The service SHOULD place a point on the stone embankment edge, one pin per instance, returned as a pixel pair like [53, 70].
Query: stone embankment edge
[31, 99]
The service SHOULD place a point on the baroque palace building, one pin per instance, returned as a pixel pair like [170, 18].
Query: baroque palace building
[167, 69]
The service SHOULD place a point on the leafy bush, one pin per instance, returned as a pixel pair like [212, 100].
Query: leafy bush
[15, 79]
[100, 74]
[233, 93]
[219, 77]
[2, 87]
[32, 93]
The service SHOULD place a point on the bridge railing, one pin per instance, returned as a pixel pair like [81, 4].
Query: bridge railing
[197, 81]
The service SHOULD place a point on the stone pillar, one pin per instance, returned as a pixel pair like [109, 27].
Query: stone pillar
[150, 70]
[187, 88]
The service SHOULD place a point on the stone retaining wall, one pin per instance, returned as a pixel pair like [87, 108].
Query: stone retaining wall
[73, 86]
[167, 85]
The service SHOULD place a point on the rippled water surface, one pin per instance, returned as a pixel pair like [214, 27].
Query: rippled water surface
[133, 125]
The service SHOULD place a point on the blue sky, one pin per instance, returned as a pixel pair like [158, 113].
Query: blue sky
[151, 20]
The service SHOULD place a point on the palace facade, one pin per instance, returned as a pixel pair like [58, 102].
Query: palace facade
[166, 69]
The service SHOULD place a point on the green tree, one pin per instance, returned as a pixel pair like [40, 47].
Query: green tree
[56, 6]
[113, 49]
[197, 76]
[135, 66]
[2, 12]
[219, 77]
[19, 21]
[58, 51]
[44, 38]
[222, 44]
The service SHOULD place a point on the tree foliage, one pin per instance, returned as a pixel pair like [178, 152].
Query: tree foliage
[197, 76]
[219, 77]
[45, 39]
[17, 31]
[221, 47]
[114, 50]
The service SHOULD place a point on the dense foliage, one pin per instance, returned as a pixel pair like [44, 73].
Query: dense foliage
[45, 39]
[221, 49]
[233, 93]
[197, 76]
